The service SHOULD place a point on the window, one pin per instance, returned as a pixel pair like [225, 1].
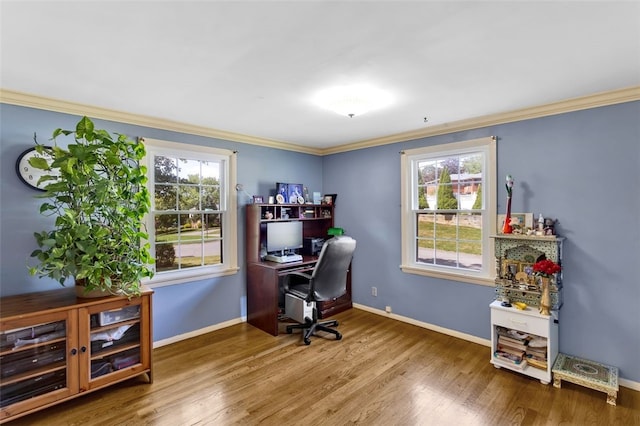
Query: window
[448, 210]
[192, 224]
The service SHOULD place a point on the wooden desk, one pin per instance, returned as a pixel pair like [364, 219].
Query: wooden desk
[263, 293]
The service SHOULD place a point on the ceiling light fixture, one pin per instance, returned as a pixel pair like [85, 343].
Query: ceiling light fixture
[352, 100]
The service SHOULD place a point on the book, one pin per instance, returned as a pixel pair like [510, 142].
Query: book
[506, 342]
[510, 359]
[542, 365]
[511, 350]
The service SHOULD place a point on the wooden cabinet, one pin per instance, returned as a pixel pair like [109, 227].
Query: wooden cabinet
[54, 346]
[263, 277]
[530, 323]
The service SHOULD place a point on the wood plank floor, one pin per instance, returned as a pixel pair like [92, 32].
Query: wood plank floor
[383, 372]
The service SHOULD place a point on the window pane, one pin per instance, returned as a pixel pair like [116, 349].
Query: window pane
[188, 198]
[165, 169]
[166, 228]
[426, 223]
[210, 198]
[165, 197]
[210, 173]
[424, 251]
[189, 171]
[190, 254]
[212, 252]
[165, 257]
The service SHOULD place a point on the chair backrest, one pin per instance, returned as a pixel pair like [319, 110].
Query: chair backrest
[329, 278]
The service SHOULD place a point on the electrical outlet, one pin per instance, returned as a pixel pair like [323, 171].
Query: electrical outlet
[374, 291]
[387, 309]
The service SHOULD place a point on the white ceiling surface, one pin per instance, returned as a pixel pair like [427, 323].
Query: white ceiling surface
[253, 67]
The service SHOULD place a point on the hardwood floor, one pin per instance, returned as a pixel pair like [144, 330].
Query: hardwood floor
[383, 372]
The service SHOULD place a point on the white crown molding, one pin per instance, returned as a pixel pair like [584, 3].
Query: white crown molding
[585, 102]
[57, 105]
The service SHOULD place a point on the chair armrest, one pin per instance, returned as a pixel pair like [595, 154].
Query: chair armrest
[287, 278]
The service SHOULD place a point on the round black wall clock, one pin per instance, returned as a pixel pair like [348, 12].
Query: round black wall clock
[29, 174]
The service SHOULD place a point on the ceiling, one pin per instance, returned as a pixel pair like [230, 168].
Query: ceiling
[252, 68]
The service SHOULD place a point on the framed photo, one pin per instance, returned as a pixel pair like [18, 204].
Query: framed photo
[294, 192]
[329, 199]
[257, 199]
[524, 221]
[510, 267]
[282, 192]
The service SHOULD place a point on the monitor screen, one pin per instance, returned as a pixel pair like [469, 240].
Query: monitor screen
[284, 236]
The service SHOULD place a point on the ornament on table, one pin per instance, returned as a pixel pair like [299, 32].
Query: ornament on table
[506, 228]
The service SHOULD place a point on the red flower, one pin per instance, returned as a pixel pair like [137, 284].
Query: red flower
[546, 268]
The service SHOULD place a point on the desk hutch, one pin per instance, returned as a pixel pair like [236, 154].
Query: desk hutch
[263, 277]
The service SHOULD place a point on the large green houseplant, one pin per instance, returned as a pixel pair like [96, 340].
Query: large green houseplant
[96, 191]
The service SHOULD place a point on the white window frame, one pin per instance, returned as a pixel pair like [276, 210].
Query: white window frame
[409, 204]
[228, 207]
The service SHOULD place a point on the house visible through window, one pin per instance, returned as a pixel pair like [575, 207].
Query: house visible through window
[192, 224]
[448, 210]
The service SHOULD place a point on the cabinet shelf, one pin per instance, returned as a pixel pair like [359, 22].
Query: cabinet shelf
[112, 351]
[39, 371]
[32, 346]
[528, 322]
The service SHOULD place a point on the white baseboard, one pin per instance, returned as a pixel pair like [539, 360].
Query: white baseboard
[485, 342]
[195, 333]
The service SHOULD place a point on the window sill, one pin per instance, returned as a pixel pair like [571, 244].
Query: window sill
[189, 277]
[485, 281]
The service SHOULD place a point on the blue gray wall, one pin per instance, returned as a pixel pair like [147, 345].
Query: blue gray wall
[580, 167]
[177, 309]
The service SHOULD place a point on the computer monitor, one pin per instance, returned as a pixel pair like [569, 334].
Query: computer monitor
[284, 236]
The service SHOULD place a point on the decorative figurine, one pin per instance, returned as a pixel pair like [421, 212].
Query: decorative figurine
[506, 228]
[550, 226]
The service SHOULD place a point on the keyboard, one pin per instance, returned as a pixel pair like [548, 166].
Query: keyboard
[284, 258]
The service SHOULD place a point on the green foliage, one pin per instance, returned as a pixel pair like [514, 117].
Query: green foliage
[477, 204]
[98, 196]
[423, 203]
[446, 199]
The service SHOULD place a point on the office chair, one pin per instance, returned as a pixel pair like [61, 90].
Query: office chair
[327, 282]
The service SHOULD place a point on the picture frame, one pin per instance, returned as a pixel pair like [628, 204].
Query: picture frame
[509, 265]
[294, 193]
[257, 199]
[282, 192]
[526, 221]
[329, 199]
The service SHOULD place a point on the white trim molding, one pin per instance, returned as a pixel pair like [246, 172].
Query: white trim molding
[613, 97]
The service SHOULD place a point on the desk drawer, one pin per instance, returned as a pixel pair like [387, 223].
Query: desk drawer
[522, 322]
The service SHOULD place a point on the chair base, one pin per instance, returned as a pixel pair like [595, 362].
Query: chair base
[310, 329]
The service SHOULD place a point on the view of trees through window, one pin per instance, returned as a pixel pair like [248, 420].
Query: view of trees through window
[449, 211]
[188, 213]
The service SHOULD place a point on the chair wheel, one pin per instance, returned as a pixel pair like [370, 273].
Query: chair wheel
[307, 342]
[289, 330]
[338, 336]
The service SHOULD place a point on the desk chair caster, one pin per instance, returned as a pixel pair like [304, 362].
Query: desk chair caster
[311, 327]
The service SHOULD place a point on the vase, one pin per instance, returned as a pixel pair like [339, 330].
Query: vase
[545, 297]
[506, 228]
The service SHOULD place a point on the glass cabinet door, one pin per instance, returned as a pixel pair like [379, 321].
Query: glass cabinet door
[34, 360]
[114, 340]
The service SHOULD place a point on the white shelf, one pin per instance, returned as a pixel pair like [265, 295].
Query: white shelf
[528, 321]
